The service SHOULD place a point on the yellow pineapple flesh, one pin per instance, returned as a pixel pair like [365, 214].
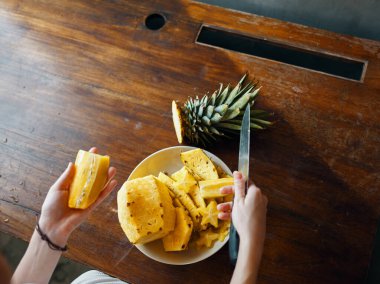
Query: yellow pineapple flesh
[91, 172]
[178, 239]
[199, 164]
[145, 210]
[211, 188]
[210, 214]
[185, 181]
[183, 197]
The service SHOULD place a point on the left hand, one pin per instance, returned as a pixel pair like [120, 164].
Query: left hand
[57, 220]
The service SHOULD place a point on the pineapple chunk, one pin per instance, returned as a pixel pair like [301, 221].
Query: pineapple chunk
[178, 239]
[210, 214]
[183, 176]
[145, 210]
[183, 197]
[223, 229]
[221, 172]
[185, 181]
[200, 166]
[91, 172]
[211, 188]
[177, 121]
[195, 194]
[206, 239]
[177, 203]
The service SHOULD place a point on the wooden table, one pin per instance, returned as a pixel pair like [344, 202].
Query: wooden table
[74, 74]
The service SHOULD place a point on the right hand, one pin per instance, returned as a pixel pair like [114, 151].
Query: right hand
[248, 210]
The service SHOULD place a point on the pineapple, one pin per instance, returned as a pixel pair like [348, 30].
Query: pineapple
[91, 172]
[200, 166]
[145, 210]
[223, 229]
[185, 181]
[210, 188]
[178, 239]
[221, 172]
[202, 121]
[183, 197]
[206, 239]
[209, 214]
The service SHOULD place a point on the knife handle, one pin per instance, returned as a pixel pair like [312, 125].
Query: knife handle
[233, 244]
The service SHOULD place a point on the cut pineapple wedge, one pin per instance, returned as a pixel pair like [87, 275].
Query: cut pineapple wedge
[199, 165]
[195, 194]
[184, 176]
[145, 210]
[223, 229]
[206, 239]
[183, 197]
[211, 188]
[210, 214]
[90, 177]
[186, 182]
[178, 239]
[177, 121]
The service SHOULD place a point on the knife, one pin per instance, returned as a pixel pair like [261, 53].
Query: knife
[244, 169]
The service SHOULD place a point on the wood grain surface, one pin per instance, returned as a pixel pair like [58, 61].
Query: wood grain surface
[76, 74]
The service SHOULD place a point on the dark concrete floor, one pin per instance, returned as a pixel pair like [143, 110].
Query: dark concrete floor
[13, 249]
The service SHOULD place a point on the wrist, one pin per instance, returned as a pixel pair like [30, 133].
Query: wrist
[58, 234]
[251, 246]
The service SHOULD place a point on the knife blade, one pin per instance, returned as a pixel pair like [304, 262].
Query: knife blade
[244, 148]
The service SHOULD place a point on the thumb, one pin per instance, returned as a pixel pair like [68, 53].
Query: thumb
[64, 181]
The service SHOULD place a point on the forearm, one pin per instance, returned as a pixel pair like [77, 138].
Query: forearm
[248, 263]
[38, 262]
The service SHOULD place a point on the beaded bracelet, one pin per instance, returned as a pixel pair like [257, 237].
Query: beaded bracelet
[51, 245]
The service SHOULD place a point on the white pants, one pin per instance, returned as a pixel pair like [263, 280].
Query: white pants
[95, 277]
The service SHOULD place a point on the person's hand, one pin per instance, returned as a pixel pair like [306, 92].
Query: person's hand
[248, 211]
[57, 220]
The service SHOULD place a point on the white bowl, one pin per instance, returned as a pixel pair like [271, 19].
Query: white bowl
[168, 160]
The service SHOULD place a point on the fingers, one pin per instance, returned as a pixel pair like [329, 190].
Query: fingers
[94, 150]
[111, 173]
[239, 186]
[64, 181]
[103, 195]
[227, 189]
[225, 207]
[224, 215]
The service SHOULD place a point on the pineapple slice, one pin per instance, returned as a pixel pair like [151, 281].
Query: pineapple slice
[185, 181]
[221, 172]
[195, 194]
[178, 239]
[223, 229]
[209, 214]
[183, 197]
[177, 121]
[177, 203]
[211, 188]
[206, 239]
[200, 166]
[184, 176]
[145, 210]
[91, 172]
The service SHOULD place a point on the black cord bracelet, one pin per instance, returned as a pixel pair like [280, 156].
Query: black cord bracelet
[51, 245]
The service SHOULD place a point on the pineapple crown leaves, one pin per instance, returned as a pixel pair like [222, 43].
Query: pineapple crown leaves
[220, 115]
